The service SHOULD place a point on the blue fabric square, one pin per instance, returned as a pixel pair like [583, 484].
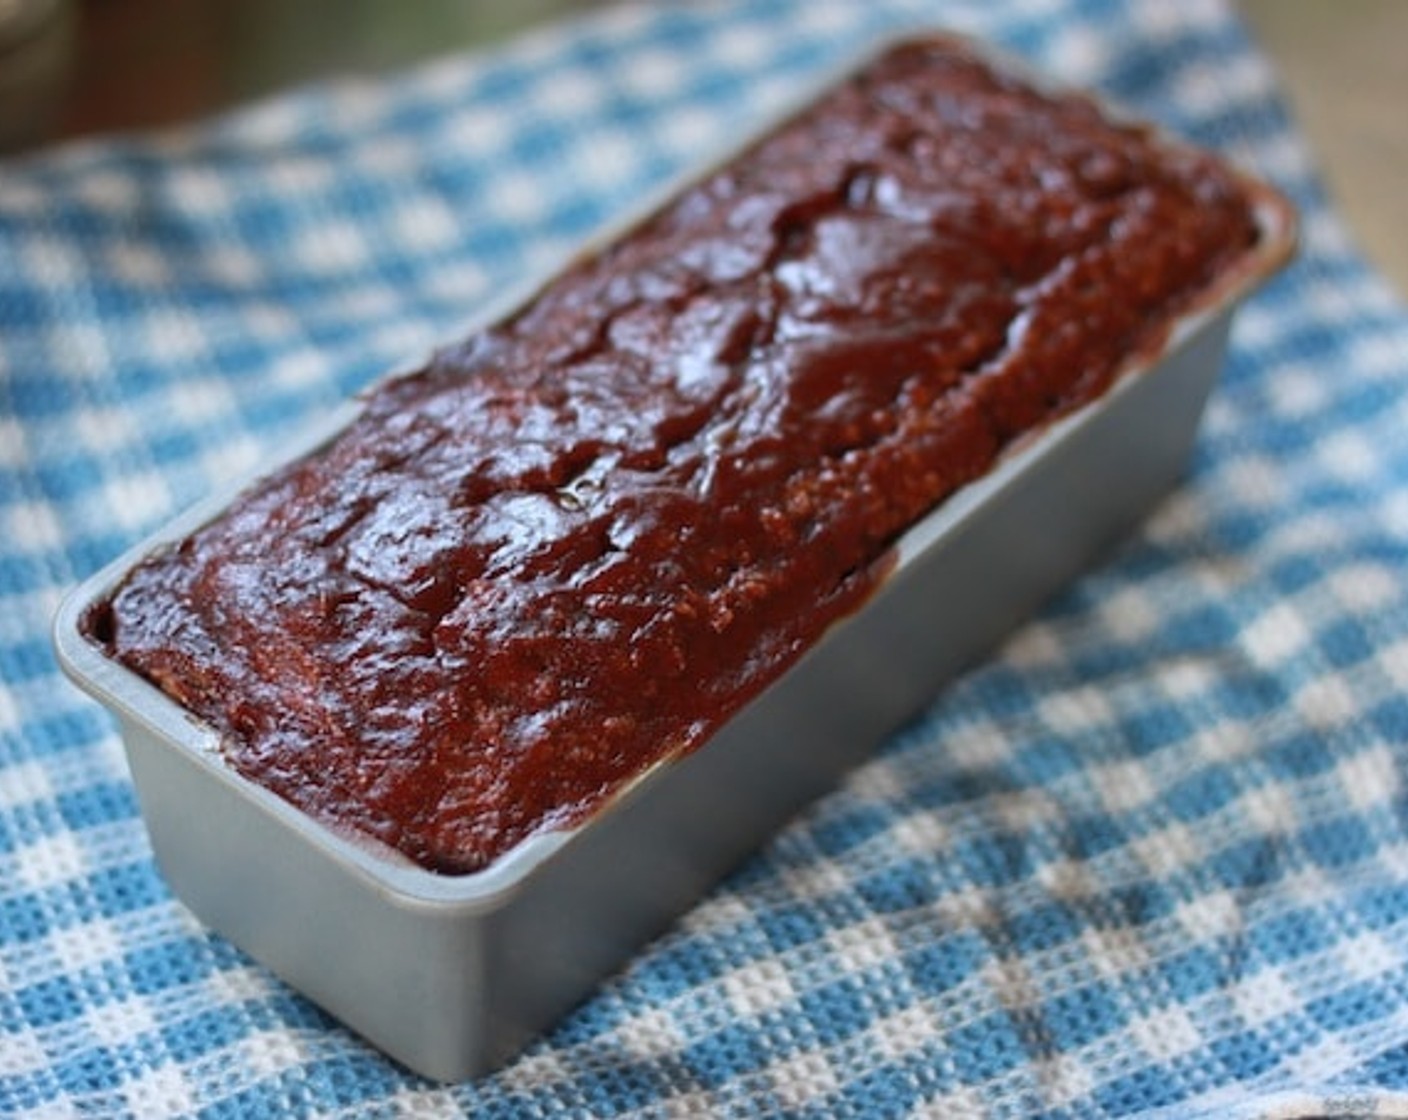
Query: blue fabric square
[1080, 1017]
[941, 964]
[986, 1048]
[50, 1001]
[1145, 1089]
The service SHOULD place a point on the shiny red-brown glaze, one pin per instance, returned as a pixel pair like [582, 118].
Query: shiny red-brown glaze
[576, 542]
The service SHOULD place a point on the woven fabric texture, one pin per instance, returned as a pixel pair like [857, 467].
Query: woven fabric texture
[1152, 858]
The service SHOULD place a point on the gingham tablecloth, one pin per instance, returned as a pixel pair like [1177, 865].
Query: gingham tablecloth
[1153, 856]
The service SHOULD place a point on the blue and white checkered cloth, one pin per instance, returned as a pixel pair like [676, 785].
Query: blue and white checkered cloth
[1152, 858]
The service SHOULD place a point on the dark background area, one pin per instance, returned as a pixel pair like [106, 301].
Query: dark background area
[72, 68]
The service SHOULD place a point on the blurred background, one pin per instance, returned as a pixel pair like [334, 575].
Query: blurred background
[73, 68]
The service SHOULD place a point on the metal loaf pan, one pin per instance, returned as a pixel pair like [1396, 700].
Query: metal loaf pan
[451, 975]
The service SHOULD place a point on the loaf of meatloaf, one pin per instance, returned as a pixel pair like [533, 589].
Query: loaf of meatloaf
[575, 542]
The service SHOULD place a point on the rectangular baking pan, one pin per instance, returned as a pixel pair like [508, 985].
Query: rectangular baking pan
[452, 975]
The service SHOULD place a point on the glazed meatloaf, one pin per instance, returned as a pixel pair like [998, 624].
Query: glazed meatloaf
[574, 543]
